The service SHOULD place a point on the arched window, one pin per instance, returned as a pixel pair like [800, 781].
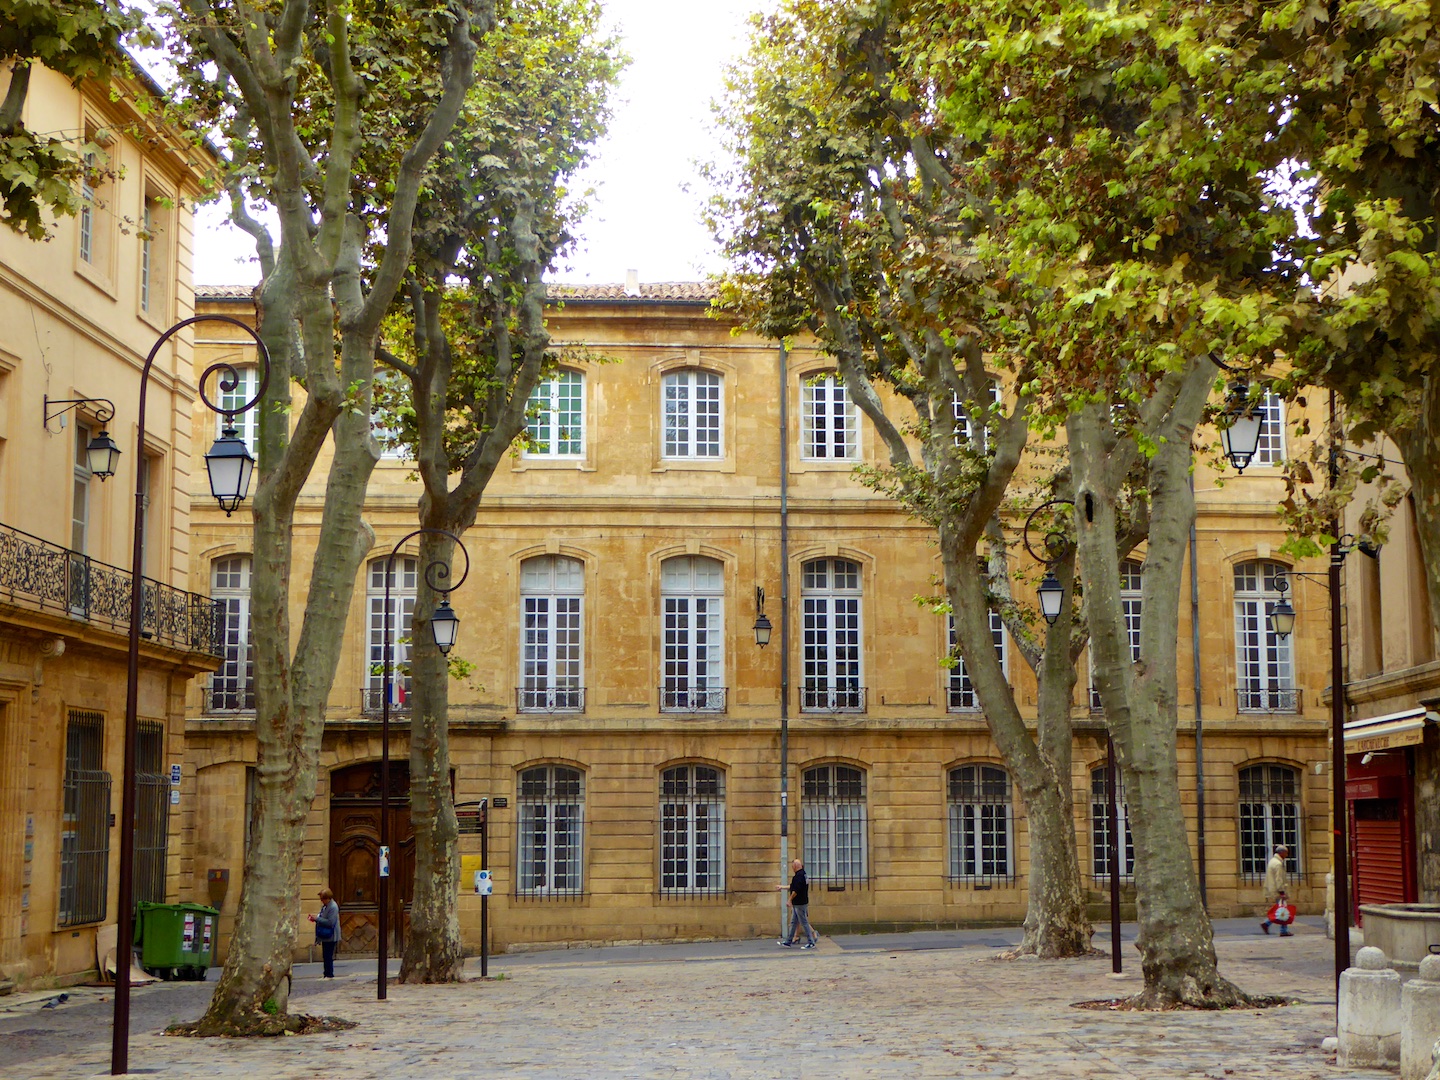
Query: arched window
[829, 421]
[693, 595]
[232, 686]
[692, 830]
[833, 812]
[1269, 815]
[1100, 827]
[552, 831]
[556, 426]
[1264, 661]
[552, 597]
[982, 847]
[1130, 585]
[692, 402]
[830, 599]
[962, 696]
[403, 574]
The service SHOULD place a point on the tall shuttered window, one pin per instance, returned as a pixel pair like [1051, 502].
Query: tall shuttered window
[152, 813]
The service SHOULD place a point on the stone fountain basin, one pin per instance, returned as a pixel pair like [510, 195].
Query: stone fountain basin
[1403, 932]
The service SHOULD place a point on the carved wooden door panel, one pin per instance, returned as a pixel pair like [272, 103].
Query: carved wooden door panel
[355, 852]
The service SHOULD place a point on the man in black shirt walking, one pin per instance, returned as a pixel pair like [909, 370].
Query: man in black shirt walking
[799, 908]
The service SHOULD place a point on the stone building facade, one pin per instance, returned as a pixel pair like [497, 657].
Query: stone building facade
[78, 315]
[625, 725]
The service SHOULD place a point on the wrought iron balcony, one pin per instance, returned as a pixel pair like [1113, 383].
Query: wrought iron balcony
[674, 699]
[49, 577]
[816, 698]
[550, 699]
[372, 699]
[962, 697]
[1263, 698]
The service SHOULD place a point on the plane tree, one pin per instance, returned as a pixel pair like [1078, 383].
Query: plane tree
[295, 92]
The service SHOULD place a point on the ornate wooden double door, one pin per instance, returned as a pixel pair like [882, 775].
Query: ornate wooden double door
[355, 855]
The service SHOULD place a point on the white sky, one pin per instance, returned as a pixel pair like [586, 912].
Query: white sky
[642, 217]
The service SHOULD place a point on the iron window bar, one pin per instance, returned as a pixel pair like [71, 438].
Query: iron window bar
[56, 578]
[982, 827]
[692, 832]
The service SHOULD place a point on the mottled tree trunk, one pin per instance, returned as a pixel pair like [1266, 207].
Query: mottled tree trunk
[433, 950]
[1420, 446]
[1176, 944]
[1056, 924]
[291, 692]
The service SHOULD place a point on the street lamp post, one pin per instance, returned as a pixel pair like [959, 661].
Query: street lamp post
[444, 626]
[230, 466]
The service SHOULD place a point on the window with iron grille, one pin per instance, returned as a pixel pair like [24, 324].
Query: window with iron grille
[232, 686]
[982, 847]
[692, 414]
[551, 836]
[552, 598]
[152, 813]
[692, 831]
[1269, 815]
[962, 696]
[1100, 827]
[556, 425]
[404, 574]
[1264, 660]
[833, 813]
[830, 605]
[1130, 585]
[829, 421]
[85, 826]
[693, 596]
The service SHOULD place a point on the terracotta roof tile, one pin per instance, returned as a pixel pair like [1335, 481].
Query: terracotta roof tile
[663, 291]
[693, 291]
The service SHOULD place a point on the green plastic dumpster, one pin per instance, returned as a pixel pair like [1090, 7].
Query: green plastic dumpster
[176, 940]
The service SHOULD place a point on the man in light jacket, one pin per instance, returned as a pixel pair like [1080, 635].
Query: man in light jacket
[1276, 879]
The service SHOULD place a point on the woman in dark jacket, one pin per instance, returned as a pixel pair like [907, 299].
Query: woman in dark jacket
[327, 929]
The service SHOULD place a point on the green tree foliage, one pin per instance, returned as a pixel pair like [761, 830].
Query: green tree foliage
[1351, 92]
[40, 172]
[852, 213]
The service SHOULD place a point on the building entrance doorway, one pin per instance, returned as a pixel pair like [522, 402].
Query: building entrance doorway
[355, 853]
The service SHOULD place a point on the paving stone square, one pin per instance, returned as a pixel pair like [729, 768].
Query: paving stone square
[892, 1006]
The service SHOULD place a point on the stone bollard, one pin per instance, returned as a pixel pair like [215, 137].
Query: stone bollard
[1420, 1020]
[1369, 1014]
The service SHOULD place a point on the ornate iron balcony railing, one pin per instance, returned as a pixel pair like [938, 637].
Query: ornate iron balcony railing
[1263, 698]
[372, 699]
[677, 699]
[550, 699]
[51, 577]
[842, 698]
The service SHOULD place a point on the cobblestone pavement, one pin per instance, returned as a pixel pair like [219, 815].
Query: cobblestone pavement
[854, 1007]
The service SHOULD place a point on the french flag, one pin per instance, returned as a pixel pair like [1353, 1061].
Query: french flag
[397, 692]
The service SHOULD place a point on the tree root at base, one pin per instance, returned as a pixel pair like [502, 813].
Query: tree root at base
[263, 1025]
